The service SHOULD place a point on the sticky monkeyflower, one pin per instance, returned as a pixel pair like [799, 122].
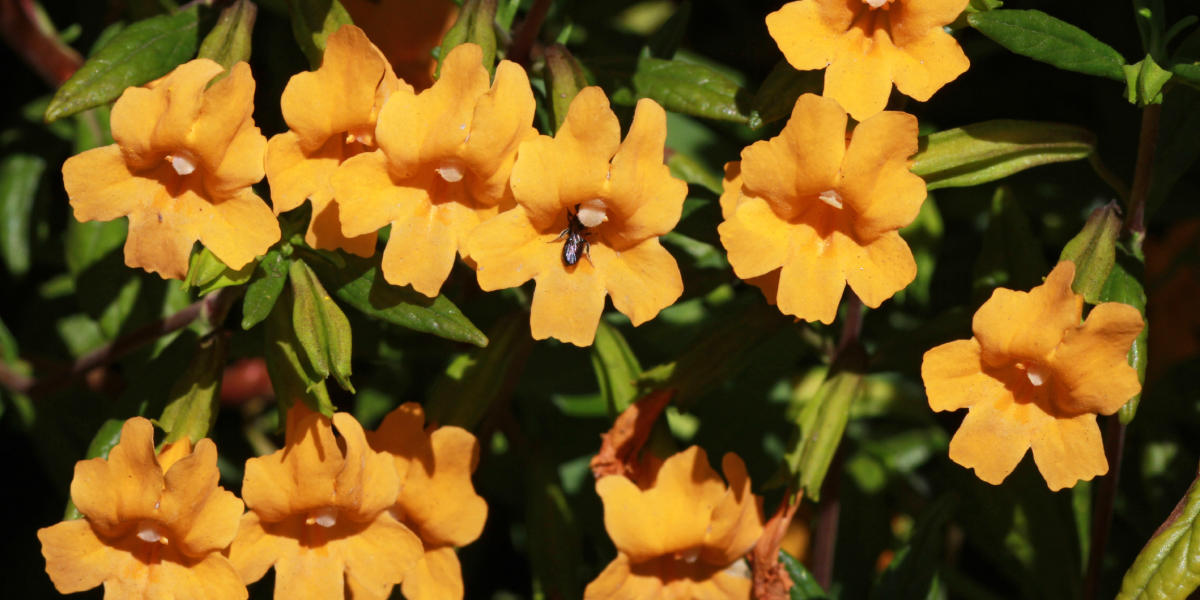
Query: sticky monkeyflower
[586, 185]
[185, 156]
[866, 45]
[1033, 377]
[682, 533]
[319, 513]
[813, 210]
[331, 113]
[406, 31]
[154, 526]
[442, 166]
[437, 500]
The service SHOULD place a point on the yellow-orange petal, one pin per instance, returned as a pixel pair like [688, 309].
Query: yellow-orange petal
[567, 303]
[802, 161]
[299, 477]
[422, 246]
[438, 498]
[876, 270]
[913, 20]
[210, 578]
[223, 135]
[133, 120]
[508, 251]
[993, 438]
[811, 281]
[367, 197]
[238, 228]
[76, 559]
[641, 280]
[644, 200]
[737, 520]
[296, 176]
[377, 554]
[203, 516]
[402, 435]
[807, 31]
[756, 240]
[437, 576]
[618, 582]
[367, 483]
[731, 189]
[1092, 363]
[954, 377]
[860, 75]
[503, 119]
[183, 98]
[255, 549]
[102, 188]
[673, 515]
[160, 239]
[876, 182]
[1068, 450]
[310, 574]
[127, 485]
[1028, 325]
[925, 65]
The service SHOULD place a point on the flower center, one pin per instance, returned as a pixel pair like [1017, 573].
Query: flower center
[688, 556]
[876, 3]
[325, 517]
[592, 212]
[831, 197]
[451, 171]
[1037, 374]
[363, 136]
[183, 162]
[151, 531]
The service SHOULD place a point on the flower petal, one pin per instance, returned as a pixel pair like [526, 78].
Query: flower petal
[76, 560]
[737, 520]
[133, 121]
[210, 578]
[617, 582]
[203, 516]
[860, 75]
[807, 31]
[379, 554]
[126, 486]
[641, 280]
[238, 228]
[223, 134]
[368, 482]
[911, 21]
[755, 238]
[256, 549]
[503, 119]
[811, 281]
[954, 378]
[298, 477]
[402, 435]
[993, 438]
[876, 271]
[644, 200]
[508, 251]
[731, 189]
[876, 182]
[1028, 325]
[183, 98]
[439, 499]
[567, 303]
[422, 246]
[1069, 450]
[1092, 360]
[923, 66]
[101, 186]
[437, 576]
[310, 574]
[367, 197]
[162, 232]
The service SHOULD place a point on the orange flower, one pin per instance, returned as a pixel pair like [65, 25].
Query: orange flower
[869, 44]
[442, 167]
[181, 170]
[812, 210]
[624, 198]
[407, 31]
[683, 534]
[437, 500]
[319, 513]
[331, 113]
[154, 526]
[1034, 377]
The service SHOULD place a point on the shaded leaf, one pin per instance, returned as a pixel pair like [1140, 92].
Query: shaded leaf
[1094, 250]
[472, 383]
[1044, 38]
[1124, 284]
[192, 405]
[475, 25]
[822, 423]
[616, 367]
[1169, 565]
[20, 175]
[229, 40]
[270, 275]
[804, 585]
[313, 21]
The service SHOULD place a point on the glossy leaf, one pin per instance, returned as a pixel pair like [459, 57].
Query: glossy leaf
[1044, 38]
[20, 175]
[804, 585]
[616, 367]
[472, 383]
[1169, 566]
[292, 377]
[139, 53]
[320, 325]
[822, 422]
[192, 406]
[991, 150]
[690, 88]
[270, 275]
[229, 40]
[313, 21]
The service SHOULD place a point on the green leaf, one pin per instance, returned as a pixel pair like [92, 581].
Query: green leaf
[357, 282]
[475, 25]
[822, 423]
[1039, 36]
[313, 21]
[692, 171]
[107, 436]
[991, 150]
[207, 273]
[229, 40]
[88, 243]
[1094, 250]
[142, 52]
[192, 405]
[1124, 285]
[617, 369]
[20, 175]
[777, 96]
[1169, 566]
[474, 382]
[270, 275]
[1010, 255]
[292, 377]
[321, 327]
[564, 77]
[1144, 82]
[804, 585]
[690, 88]
[669, 36]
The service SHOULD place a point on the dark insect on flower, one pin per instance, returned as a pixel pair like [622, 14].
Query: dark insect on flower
[576, 243]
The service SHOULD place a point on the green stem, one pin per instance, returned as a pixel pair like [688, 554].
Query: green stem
[523, 39]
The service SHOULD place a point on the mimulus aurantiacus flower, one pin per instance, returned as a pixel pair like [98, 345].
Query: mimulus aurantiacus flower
[442, 166]
[331, 113]
[437, 499]
[153, 526]
[865, 45]
[823, 209]
[619, 196]
[181, 170]
[683, 534]
[319, 514]
[1034, 377]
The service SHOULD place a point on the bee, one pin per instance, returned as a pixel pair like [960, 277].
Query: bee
[576, 236]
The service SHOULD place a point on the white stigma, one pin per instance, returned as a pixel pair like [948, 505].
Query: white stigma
[831, 197]
[183, 163]
[450, 172]
[148, 532]
[876, 3]
[325, 517]
[592, 212]
[689, 556]
[1036, 375]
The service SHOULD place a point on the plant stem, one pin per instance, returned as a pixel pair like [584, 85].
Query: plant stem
[1114, 443]
[1135, 219]
[523, 39]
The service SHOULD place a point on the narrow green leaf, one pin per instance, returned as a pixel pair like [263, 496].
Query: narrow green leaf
[357, 282]
[19, 178]
[691, 88]
[270, 275]
[1169, 565]
[1094, 250]
[822, 422]
[313, 21]
[804, 585]
[142, 52]
[1125, 285]
[617, 369]
[321, 327]
[88, 243]
[106, 437]
[565, 77]
[1039, 36]
[192, 406]
[292, 377]
[991, 150]
[474, 382]
[229, 40]
[692, 171]
[475, 25]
